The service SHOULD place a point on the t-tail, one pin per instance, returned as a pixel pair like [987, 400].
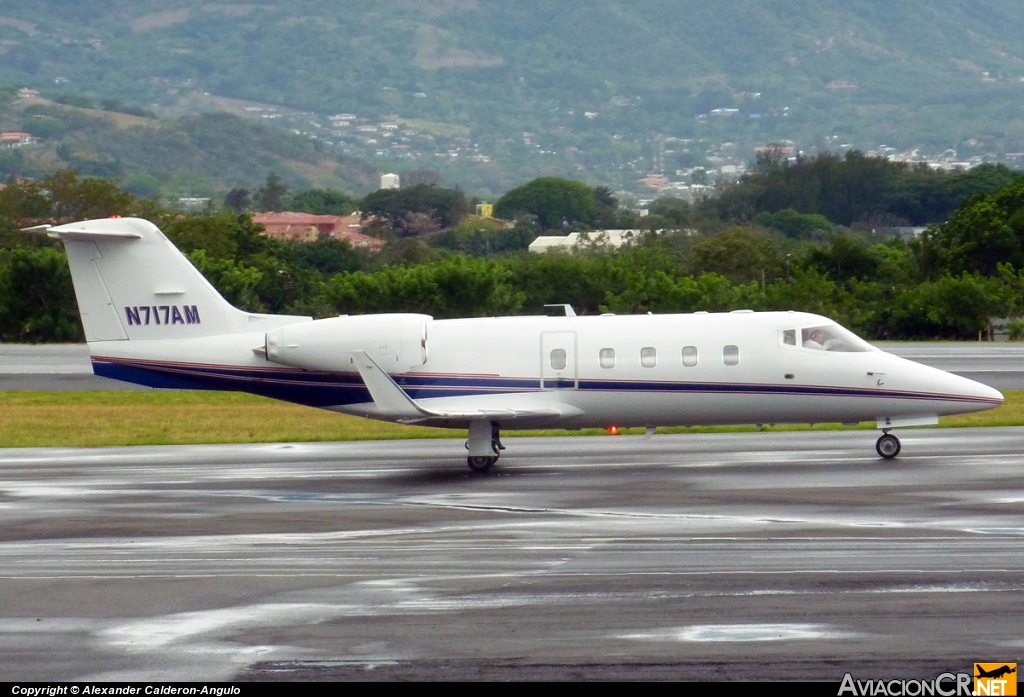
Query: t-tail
[133, 284]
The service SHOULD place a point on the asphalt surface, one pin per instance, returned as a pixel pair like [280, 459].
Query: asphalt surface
[67, 367]
[52, 367]
[703, 556]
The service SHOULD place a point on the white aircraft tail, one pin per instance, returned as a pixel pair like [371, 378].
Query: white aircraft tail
[133, 284]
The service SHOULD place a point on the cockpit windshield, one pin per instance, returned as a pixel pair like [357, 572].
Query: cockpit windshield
[830, 337]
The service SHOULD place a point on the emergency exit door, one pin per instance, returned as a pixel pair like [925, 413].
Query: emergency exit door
[558, 361]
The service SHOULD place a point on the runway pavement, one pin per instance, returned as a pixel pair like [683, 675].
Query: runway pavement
[52, 367]
[67, 367]
[717, 556]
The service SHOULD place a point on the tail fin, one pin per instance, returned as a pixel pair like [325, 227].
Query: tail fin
[133, 284]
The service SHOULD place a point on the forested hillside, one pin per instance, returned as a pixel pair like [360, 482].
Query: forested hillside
[202, 154]
[590, 88]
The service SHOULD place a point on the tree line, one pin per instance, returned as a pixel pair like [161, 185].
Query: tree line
[780, 249]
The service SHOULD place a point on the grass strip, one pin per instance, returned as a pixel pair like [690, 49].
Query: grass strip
[107, 418]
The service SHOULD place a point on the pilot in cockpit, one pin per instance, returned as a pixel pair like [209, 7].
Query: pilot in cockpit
[815, 339]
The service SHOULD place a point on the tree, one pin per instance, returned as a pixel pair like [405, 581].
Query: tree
[453, 287]
[739, 254]
[793, 224]
[236, 282]
[324, 202]
[482, 237]
[238, 200]
[37, 299]
[63, 198]
[419, 210]
[557, 204]
[327, 256]
[272, 196]
[986, 231]
[676, 211]
[842, 258]
[954, 307]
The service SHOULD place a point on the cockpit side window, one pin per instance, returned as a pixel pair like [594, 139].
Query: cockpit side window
[789, 337]
[832, 337]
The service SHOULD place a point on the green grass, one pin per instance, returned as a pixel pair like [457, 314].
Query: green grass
[80, 419]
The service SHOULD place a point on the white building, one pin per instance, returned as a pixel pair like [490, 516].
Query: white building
[575, 240]
[390, 181]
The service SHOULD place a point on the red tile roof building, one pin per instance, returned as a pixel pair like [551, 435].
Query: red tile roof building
[306, 227]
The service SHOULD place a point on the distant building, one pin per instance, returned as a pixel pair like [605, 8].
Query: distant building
[390, 181]
[485, 210]
[15, 139]
[655, 181]
[193, 202]
[905, 233]
[575, 240]
[306, 227]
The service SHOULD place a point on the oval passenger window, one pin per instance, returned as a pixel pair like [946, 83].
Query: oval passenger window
[731, 355]
[558, 359]
[607, 358]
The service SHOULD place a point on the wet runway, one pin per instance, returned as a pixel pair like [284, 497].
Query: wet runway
[718, 556]
[67, 367]
[52, 367]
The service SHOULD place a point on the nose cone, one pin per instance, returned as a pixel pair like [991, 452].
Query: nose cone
[987, 393]
[936, 390]
[963, 394]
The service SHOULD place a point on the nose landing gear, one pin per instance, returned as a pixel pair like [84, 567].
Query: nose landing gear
[888, 445]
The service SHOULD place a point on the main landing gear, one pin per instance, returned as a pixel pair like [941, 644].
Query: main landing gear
[888, 445]
[484, 445]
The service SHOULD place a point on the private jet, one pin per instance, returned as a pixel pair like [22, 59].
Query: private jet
[151, 318]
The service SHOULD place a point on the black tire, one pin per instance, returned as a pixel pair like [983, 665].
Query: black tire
[481, 463]
[888, 446]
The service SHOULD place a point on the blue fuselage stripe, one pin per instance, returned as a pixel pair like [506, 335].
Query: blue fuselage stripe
[338, 389]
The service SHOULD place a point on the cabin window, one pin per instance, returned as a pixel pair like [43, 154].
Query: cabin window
[607, 358]
[789, 337]
[648, 357]
[731, 355]
[690, 356]
[558, 359]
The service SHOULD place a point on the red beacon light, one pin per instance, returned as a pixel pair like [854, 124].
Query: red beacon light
[613, 430]
[114, 216]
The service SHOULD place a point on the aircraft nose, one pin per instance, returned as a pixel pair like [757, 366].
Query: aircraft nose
[978, 392]
[988, 393]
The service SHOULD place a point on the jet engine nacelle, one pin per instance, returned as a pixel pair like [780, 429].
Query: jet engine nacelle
[397, 342]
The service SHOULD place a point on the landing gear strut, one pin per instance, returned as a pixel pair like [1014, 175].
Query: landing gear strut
[484, 445]
[888, 445]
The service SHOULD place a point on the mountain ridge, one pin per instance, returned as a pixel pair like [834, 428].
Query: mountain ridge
[934, 75]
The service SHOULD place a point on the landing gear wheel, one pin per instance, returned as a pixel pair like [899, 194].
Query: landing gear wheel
[888, 446]
[481, 464]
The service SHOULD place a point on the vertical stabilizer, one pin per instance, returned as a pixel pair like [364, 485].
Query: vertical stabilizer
[132, 283]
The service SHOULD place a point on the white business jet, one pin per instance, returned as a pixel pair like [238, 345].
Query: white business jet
[151, 318]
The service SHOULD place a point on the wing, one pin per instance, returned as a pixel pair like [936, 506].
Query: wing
[393, 402]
